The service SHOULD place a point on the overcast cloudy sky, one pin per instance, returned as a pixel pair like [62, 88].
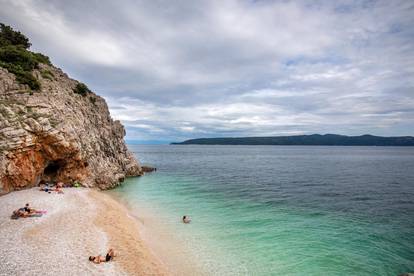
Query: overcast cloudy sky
[172, 70]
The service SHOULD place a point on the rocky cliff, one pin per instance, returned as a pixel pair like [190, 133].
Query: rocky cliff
[55, 134]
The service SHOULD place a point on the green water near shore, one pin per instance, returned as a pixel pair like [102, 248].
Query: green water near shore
[304, 211]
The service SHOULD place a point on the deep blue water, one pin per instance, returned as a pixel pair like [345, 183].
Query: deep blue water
[283, 210]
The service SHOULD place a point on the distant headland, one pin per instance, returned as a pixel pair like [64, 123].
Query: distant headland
[306, 140]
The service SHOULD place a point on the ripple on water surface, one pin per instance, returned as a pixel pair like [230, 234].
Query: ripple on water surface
[260, 210]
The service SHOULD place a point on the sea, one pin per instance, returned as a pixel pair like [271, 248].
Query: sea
[276, 210]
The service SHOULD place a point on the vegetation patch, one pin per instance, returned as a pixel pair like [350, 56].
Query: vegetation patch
[34, 115]
[81, 89]
[47, 74]
[17, 59]
[53, 122]
[93, 100]
[4, 112]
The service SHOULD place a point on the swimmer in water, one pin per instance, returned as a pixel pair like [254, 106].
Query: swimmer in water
[186, 219]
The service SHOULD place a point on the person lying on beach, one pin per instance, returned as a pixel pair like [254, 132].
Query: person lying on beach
[186, 219]
[24, 213]
[99, 259]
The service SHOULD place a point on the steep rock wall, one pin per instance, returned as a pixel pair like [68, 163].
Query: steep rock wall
[58, 135]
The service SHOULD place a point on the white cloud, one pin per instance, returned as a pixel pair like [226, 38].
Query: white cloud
[216, 68]
[85, 45]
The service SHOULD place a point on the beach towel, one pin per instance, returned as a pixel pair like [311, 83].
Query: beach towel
[41, 212]
[35, 215]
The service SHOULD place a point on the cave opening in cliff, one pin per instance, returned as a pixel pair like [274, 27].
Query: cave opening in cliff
[50, 173]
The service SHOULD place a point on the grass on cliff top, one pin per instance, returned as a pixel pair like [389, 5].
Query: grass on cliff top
[17, 59]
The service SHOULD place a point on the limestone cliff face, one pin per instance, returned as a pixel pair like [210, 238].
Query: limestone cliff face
[58, 135]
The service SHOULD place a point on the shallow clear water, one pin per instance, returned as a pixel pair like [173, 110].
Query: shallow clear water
[283, 210]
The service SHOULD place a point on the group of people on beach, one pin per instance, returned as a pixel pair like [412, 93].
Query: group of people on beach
[50, 187]
[28, 211]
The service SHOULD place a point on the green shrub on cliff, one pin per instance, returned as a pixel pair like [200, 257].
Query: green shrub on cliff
[17, 56]
[17, 59]
[40, 58]
[81, 89]
[47, 74]
[8, 36]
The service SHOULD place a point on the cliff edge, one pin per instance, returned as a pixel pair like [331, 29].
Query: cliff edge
[59, 131]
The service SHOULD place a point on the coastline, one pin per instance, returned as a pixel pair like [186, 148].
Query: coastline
[79, 223]
[123, 232]
[159, 237]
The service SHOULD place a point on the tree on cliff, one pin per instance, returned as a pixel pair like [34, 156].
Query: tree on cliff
[17, 59]
[8, 36]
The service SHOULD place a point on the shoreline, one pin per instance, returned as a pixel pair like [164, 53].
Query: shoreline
[79, 223]
[123, 231]
[160, 239]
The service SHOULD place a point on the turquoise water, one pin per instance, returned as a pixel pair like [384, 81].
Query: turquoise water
[275, 210]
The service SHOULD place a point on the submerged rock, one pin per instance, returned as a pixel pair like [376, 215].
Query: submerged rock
[56, 134]
[147, 169]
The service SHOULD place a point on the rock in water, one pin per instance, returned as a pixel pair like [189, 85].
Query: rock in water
[56, 134]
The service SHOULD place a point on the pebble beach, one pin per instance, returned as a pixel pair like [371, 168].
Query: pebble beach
[79, 223]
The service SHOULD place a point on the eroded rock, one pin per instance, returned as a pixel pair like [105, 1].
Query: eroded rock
[58, 135]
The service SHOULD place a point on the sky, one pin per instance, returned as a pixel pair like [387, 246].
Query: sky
[175, 70]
